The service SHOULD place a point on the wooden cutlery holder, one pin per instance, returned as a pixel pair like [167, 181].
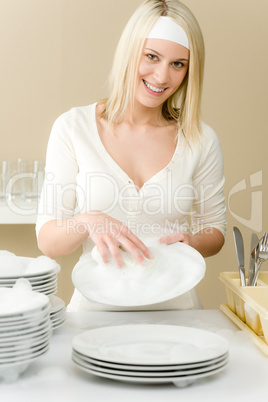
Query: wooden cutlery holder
[247, 306]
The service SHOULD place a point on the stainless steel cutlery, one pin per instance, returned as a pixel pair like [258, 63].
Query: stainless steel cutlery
[260, 257]
[258, 254]
[239, 245]
[252, 254]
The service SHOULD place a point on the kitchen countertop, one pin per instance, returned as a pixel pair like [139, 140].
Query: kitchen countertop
[14, 212]
[54, 376]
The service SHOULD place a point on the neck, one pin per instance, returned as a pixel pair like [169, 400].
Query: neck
[141, 115]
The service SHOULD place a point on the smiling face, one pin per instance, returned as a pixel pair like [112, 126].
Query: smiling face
[162, 68]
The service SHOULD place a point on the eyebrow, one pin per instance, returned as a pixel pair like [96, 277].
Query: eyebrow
[159, 54]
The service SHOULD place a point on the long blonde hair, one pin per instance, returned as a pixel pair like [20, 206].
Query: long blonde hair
[184, 105]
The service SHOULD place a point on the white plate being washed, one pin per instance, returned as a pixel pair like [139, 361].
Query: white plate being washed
[173, 270]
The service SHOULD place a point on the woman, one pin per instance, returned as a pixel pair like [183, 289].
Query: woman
[140, 163]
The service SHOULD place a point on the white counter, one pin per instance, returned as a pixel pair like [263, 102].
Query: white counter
[54, 377]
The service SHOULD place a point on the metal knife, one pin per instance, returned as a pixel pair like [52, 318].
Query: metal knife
[239, 245]
[251, 270]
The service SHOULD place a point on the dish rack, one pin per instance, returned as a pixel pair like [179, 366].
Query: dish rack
[247, 306]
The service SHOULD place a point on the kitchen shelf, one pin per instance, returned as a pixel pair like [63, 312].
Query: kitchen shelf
[18, 212]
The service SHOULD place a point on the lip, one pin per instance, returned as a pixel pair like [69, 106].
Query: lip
[152, 92]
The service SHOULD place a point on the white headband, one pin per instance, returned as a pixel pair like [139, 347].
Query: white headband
[166, 28]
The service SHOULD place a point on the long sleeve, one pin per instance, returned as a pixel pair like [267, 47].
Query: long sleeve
[58, 197]
[208, 209]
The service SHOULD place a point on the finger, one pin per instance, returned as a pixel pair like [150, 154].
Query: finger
[114, 250]
[125, 233]
[138, 244]
[131, 248]
[170, 239]
[103, 250]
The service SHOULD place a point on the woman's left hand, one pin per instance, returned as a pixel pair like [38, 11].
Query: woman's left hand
[208, 241]
[181, 237]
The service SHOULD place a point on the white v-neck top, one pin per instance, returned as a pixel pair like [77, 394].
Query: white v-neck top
[82, 176]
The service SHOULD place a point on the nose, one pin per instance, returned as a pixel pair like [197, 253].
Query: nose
[161, 73]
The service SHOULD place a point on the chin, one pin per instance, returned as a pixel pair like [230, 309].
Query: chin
[151, 103]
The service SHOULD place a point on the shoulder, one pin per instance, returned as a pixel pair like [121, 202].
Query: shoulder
[209, 142]
[207, 150]
[74, 115]
[211, 156]
[73, 125]
[208, 135]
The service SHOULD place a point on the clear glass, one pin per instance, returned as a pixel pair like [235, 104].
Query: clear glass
[33, 180]
[7, 169]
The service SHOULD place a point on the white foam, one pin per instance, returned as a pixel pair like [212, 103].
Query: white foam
[14, 266]
[41, 264]
[21, 298]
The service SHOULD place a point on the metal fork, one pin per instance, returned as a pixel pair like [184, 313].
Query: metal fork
[260, 256]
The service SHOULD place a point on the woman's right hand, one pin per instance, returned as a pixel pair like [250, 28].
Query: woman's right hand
[108, 234]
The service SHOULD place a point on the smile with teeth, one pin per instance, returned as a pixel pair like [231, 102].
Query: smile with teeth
[152, 88]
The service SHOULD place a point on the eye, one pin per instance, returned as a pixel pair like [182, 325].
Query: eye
[152, 56]
[178, 64]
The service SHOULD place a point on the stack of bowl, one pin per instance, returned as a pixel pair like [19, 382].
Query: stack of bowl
[25, 328]
[41, 272]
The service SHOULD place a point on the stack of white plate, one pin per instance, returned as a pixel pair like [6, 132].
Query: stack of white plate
[41, 272]
[57, 311]
[150, 353]
[25, 328]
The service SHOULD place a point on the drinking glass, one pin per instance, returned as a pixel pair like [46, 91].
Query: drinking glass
[19, 171]
[5, 176]
[33, 180]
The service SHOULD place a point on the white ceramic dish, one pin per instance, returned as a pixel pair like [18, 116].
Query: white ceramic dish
[58, 324]
[45, 283]
[26, 343]
[21, 354]
[59, 316]
[34, 280]
[25, 327]
[29, 318]
[20, 300]
[56, 304]
[151, 368]
[28, 356]
[174, 270]
[25, 316]
[23, 324]
[44, 288]
[50, 292]
[18, 332]
[142, 373]
[176, 380]
[177, 373]
[150, 344]
[25, 337]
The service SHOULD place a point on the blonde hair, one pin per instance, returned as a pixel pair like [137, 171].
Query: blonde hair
[184, 105]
